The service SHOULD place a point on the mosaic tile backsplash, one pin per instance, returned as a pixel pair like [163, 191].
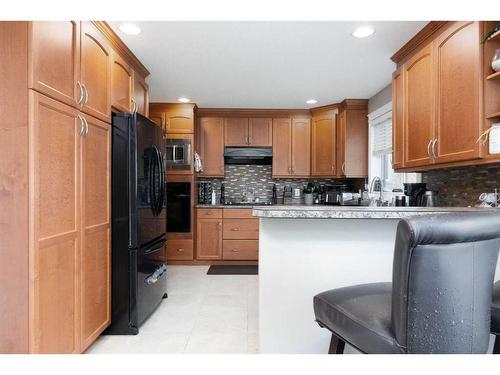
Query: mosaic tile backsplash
[259, 177]
[462, 186]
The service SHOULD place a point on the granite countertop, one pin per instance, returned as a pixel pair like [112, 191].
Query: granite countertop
[354, 212]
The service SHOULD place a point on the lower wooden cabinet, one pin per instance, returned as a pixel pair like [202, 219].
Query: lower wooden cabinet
[70, 184]
[240, 250]
[241, 229]
[209, 239]
[179, 249]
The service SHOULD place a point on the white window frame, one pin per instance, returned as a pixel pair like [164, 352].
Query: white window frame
[382, 114]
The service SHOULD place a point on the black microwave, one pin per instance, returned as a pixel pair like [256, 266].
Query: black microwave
[178, 154]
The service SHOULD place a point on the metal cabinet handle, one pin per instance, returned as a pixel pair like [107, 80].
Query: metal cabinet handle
[85, 101]
[235, 229]
[180, 250]
[289, 170]
[86, 126]
[82, 125]
[249, 140]
[209, 213]
[343, 167]
[434, 153]
[134, 106]
[80, 88]
[429, 149]
[220, 225]
[234, 250]
[333, 167]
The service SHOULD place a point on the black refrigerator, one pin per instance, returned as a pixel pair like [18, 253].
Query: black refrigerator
[139, 219]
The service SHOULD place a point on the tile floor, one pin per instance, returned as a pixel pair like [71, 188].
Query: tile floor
[203, 314]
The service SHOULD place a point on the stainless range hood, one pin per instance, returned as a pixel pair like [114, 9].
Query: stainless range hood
[248, 155]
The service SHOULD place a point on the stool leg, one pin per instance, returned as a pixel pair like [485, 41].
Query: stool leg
[496, 348]
[336, 345]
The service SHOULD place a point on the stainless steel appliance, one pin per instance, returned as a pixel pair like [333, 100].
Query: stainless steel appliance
[430, 199]
[248, 155]
[178, 154]
[138, 221]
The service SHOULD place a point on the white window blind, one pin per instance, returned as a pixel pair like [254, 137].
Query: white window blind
[382, 137]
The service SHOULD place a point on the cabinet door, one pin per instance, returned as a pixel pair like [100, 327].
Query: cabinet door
[236, 131]
[179, 123]
[356, 143]
[122, 78]
[419, 108]
[141, 95]
[282, 147]
[96, 251]
[341, 144]
[398, 119]
[211, 146]
[209, 239]
[55, 60]
[55, 215]
[301, 147]
[323, 156]
[158, 118]
[96, 72]
[260, 132]
[458, 69]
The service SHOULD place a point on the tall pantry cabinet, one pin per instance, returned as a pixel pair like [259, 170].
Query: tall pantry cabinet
[56, 298]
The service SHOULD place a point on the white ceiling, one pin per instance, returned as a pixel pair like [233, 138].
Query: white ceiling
[266, 64]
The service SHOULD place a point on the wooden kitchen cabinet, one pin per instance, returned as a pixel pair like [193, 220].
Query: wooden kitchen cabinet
[458, 74]
[398, 141]
[260, 132]
[122, 78]
[208, 239]
[55, 60]
[323, 144]
[179, 249]
[174, 118]
[352, 139]
[96, 72]
[291, 147]
[55, 179]
[236, 131]
[211, 146]
[140, 100]
[96, 226]
[241, 131]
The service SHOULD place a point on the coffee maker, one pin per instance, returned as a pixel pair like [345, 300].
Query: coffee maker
[415, 193]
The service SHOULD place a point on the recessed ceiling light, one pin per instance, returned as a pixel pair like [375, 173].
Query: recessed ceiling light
[184, 100]
[311, 101]
[363, 32]
[130, 28]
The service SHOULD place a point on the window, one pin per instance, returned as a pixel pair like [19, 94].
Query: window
[380, 151]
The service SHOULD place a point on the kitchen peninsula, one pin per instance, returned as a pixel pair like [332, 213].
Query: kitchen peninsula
[305, 250]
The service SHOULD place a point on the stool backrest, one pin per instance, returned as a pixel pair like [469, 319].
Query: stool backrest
[443, 273]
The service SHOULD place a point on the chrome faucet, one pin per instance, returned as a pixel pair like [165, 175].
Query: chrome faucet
[376, 185]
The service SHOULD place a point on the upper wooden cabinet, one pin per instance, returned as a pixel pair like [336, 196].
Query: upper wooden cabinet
[398, 119]
[236, 131]
[173, 118]
[323, 144]
[54, 69]
[140, 100]
[291, 147]
[211, 146]
[122, 78]
[419, 108]
[437, 100]
[458, 68]
[96, 72]
[241, 131]
[352, 139]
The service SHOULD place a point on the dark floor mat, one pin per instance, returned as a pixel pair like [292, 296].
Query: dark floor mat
[233, 270]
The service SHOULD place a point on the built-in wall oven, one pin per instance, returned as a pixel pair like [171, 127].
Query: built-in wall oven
[179, 207]
[178, 154]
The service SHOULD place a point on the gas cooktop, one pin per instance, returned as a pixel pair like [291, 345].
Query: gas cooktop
[231, 203]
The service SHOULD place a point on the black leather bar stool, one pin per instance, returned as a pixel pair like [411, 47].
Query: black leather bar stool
[440, 297]
[495, 317]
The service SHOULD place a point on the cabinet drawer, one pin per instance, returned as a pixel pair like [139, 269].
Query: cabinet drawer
[236, 229]
[237, 213]
[240, 250]
[209, 213]
[179, 250]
